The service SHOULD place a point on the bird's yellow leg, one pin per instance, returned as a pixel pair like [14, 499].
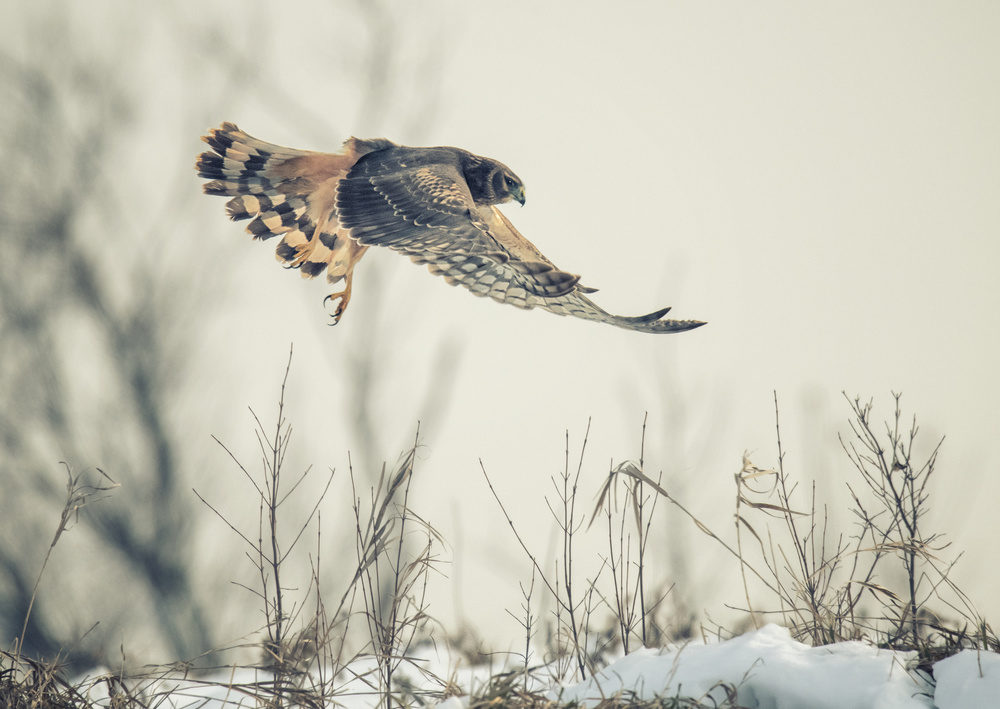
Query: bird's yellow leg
[355, 252]
[344, 296]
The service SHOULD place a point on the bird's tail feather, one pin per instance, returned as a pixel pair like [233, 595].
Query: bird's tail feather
[284, 192]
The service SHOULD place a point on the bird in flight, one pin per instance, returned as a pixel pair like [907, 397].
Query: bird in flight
[435, 205]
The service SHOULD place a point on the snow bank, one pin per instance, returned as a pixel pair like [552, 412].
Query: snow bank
[769, 671]
[968, 680]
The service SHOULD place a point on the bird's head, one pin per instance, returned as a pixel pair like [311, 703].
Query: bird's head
[508, 186]
[492, 182]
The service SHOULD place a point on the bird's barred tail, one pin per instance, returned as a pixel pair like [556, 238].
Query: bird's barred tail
[283, 192]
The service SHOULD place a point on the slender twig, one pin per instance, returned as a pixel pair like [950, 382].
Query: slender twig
[77, 497]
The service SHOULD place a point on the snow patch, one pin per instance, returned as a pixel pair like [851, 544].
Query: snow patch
[769, 670]
[968, 679]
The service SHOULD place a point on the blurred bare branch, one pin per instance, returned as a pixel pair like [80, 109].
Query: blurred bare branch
[96, 323]
[92, 370]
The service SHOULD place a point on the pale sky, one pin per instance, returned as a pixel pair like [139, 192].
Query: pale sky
[821, 183]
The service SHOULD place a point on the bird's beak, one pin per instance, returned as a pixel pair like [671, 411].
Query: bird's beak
[518, 194]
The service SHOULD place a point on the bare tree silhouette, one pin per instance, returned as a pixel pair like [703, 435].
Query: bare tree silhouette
[94, 333]
[90, 372]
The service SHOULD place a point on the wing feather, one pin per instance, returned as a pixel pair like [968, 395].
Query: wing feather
[416, 201]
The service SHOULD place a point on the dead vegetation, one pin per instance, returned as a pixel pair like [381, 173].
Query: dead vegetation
[885, 581]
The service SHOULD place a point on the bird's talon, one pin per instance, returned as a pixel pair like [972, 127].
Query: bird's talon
[344, 297]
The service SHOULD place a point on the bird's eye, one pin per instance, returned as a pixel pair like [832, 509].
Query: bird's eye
[510, 182]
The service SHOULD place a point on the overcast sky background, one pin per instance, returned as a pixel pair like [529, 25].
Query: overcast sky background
[820, 182]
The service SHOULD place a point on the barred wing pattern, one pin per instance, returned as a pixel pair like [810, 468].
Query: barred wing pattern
[576, 304]
[416, 201]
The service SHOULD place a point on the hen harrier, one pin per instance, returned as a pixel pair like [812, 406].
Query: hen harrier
[435, 205]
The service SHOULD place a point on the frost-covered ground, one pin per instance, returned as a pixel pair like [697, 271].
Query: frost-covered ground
[766, 667]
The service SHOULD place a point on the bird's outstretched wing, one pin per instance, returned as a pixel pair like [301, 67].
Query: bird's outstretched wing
[576, 304]
[416, 201]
